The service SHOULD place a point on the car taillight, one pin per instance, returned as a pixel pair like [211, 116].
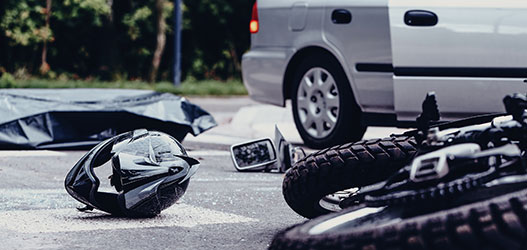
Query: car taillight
[254, 25]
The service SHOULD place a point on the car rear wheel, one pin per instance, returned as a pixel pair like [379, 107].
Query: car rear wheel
[324, 109]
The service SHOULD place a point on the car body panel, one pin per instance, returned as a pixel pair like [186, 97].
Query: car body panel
[264, 66]
[410, 91]
[366, 40]
[469, 34]
[282, 22]
[263, 73]
[464, 58]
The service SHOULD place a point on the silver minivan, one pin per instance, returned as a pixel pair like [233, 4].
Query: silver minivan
[348, 64]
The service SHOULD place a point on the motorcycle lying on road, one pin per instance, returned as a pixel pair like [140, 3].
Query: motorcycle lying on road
[463, 186]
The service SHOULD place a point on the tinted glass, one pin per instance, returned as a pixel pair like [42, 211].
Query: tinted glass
[254, 153]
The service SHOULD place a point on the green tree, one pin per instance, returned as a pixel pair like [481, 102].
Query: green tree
[147, 27]
[23, 22]
[44, 66]
[26, 24]
[83, 37]
[163, 9]
[123, 39]
[215, 35]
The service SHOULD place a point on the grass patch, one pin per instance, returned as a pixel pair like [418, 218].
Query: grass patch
[199, 88]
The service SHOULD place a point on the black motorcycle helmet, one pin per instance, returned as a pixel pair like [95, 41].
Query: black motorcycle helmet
[150, 171]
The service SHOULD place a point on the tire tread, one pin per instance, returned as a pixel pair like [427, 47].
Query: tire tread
[341, 167]
[496, 223]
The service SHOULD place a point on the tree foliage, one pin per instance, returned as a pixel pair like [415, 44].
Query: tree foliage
[116, 39]
[216, 35]
[23, 23]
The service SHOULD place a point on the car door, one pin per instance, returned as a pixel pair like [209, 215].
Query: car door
[359, 30]
[470, 52]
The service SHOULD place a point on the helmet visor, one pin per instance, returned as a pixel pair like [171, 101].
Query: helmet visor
[82, 183]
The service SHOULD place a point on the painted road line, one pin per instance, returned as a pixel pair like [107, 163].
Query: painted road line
[202, 153]
[46, 153]
[14, 199]
[30, 153]
[216, 139]
[49, 153]
[70, 220]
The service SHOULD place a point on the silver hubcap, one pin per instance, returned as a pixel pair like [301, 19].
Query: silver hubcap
[318, 102]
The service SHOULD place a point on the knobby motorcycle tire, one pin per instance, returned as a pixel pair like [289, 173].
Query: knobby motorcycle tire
[342, 167]
[496, 223]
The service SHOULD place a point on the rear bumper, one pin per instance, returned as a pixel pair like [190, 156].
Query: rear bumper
[263, 72]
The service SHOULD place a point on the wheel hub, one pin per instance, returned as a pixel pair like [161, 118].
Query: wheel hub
[318, 102]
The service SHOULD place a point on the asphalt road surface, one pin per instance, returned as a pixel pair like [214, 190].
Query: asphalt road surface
[222, 208]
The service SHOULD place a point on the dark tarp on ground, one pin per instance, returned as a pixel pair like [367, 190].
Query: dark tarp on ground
[80, 118]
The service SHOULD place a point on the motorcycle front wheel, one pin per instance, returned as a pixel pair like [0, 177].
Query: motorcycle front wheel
[317, 183]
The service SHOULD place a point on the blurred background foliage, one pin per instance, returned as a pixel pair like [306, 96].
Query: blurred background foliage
[115, 40]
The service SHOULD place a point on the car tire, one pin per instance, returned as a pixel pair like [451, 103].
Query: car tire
[343, 167]
[324, 109]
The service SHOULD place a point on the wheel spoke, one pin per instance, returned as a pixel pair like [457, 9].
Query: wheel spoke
[307, 86]
[308, 123]
[302, 103]
[318, 77]
[317, 102]
[332, 102]
[320, 127]
[307, 82]
[329, 118]
[327, 85]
